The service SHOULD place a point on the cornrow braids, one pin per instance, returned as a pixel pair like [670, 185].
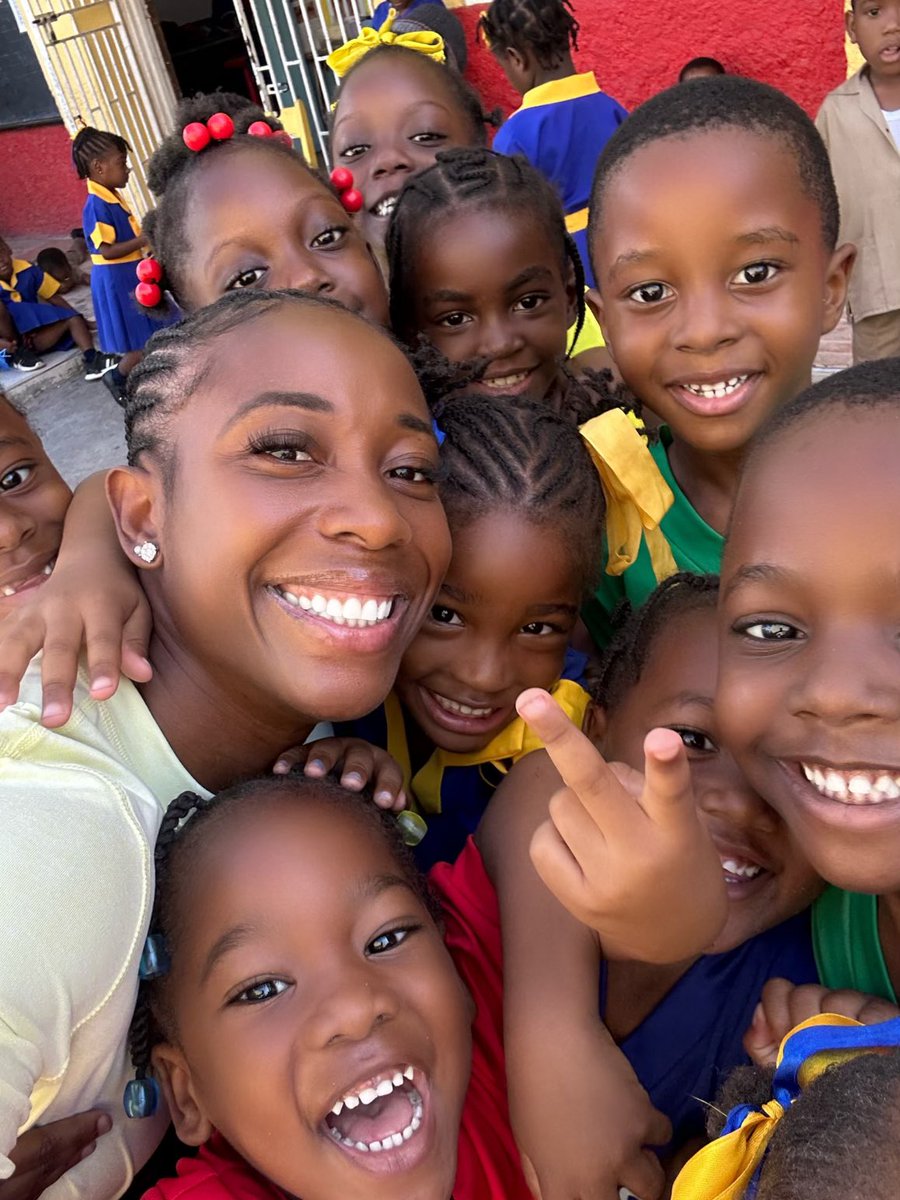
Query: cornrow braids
[173, 168]
[189, 820]
[469, 178]
[171, 369]
[505, 454]
[623, 661]
[89, 144]
[720, 103]
[464, 97]
[544, 29]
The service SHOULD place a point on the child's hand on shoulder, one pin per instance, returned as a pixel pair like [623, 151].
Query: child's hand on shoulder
[626, 853]
[785, 1005]
[361, 764]
[584, 1138]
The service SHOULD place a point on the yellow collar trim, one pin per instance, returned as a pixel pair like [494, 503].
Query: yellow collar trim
[573, 87]
[19, 265]
[107, 194]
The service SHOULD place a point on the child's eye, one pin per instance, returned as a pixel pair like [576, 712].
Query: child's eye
[353, 151]
[695, 739]
[540, 629]
[15, 478]
[453, 320]
[390, 939]
[413, 474]
[650, 293]
[529, 303]
[427, 137]
[259, 992]
[760, 272]
[329, 237]
[770, 631]
[445, 616]
[245, 279]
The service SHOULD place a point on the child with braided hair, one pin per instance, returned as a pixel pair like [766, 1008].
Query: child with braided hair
[565, 119]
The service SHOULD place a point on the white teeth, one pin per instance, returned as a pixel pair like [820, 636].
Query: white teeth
[338, 1108]
[9, 591]
[465, 710]
[362, 1146]
[48, 568]
[853, 787]
[499, 382]
[715, 391]
[351, 1101]
[367, 1095]
[398, 1079]
[385, 207]
[383, 1087]
[357, 613]
[408, 1074]
[741, 870]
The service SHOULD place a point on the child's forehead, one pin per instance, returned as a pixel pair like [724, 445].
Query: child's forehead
[15, 430]
[409, 74]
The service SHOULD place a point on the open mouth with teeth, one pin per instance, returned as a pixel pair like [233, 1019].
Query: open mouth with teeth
[353, 611]
[716, 391]
[385, 206]
[854, 786]
[378, 1120]
[507, 383]
[32, 581]
[737, 871]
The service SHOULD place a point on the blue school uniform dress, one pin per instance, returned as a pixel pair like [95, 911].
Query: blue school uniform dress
[451, 791]
[25, 295]
[122, 324]
[683, 1051]
[561, 127]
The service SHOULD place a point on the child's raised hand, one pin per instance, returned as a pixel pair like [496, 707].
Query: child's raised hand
[360, 763]
[785, 1005]
[627, 854]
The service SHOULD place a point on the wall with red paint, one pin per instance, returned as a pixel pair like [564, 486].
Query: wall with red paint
[40, 192]
[637, 50]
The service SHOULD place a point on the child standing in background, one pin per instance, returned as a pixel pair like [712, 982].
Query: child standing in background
[860, 124]
[116, 245]
[564, 120]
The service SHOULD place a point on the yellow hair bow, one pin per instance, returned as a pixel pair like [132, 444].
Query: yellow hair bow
[725, 1168]
[637, 496]
[422, 41]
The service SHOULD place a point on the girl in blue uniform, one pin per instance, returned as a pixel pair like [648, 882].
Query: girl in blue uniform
[564, 120]
[116, 245]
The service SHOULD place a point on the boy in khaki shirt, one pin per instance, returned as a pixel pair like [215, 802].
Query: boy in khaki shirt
[860, 124]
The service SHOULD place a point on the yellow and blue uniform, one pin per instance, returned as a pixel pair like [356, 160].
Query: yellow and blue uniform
[561, 128]
[122, 324]
[451, 791]
[25, 295]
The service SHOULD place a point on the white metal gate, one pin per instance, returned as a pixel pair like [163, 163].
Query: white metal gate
[104, 66]
[288, 42]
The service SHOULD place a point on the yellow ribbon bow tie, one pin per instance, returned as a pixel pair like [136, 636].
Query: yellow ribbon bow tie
[423, 42]
[637, 495]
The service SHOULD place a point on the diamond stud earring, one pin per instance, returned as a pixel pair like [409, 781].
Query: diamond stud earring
[147, 551]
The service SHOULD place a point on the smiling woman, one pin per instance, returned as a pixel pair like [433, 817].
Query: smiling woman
[254, 486]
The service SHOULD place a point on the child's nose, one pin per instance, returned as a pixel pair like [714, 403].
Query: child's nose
[498, 338]
[723, 792]
[390, 158]
[16, 526]
[706, 322]
[354, 1003]
[304, 271]
[848, 678]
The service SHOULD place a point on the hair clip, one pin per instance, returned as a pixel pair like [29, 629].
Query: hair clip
[424, 41]
[198, 134]
[439, 434]
[155, 959]
[412, 827]
[141, 1098]
[350, 197]
[148, 292]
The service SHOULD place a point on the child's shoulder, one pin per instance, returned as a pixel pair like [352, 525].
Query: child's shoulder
[216, 1173]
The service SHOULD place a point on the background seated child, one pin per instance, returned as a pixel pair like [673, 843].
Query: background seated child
[53, 262]
[33, 311]
[482, 268]
[565, 120]
[714, 222]
[680, 1027]
[33, 503]
[831, 1132]
[345, 978]
[700, 68]
[519, 488]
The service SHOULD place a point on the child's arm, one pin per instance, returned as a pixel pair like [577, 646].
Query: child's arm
[114, 250]
[626, 853]
[46, 1152]
[92, 599]
[579, 1113]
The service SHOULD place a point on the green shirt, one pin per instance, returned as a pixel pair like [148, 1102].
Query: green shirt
[695, 546]
[847, 946]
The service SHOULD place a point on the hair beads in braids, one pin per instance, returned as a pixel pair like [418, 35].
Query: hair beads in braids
[629, 651]
[469, 179]
[546, 29]
[509, 455]
[89, 144]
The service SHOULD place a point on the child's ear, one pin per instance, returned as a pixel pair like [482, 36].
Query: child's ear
[837, 281]
[594, 301]
[571, 294]
[174, 1075]
[595, 723]
[134, 496]
[850, 25]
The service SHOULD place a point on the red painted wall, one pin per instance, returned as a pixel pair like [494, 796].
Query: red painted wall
[40, 192]
[637, 50]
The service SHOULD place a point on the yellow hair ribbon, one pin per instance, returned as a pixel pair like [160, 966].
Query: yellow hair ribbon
[724, 1169]
[637, 495]
[422, 41]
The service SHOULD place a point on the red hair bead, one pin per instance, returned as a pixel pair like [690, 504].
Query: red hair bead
[149, 270]
[148, 294]
[282, 135]
[221, 126]
[260, 129]
[342, 178]
[196, 136]
[352, 200]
